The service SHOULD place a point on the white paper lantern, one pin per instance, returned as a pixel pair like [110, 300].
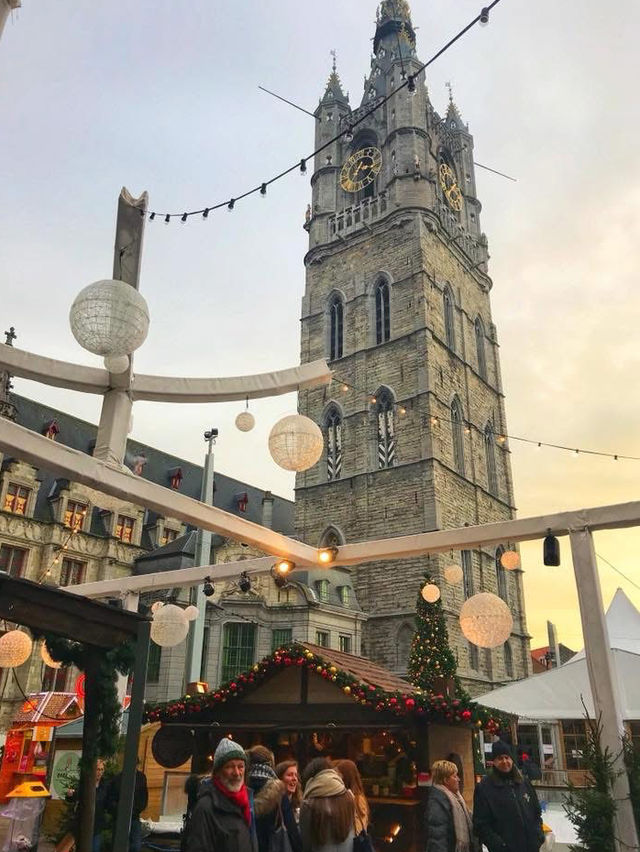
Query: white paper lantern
[295, 442]
[47, 659]
[109, 318]
[191, 613]
[430, 592]
[245, 421]
[510, 560]
[15, 649]
[116, 364]
[169, 626]
[486, 620]
[156, 606]
[453, 574]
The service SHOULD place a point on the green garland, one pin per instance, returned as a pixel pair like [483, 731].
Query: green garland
[111, 662]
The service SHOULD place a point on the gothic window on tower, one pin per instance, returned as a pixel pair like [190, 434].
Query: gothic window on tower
[480, 348]
[508, 660]
[386, 430]
[457, 435]
[333, 427]
[383, 317]
[490, 458]
[449, 328]
[467, 573]
[336, 327]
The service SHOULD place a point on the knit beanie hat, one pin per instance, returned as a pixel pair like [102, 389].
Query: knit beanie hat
[227, 750]
[500, 747]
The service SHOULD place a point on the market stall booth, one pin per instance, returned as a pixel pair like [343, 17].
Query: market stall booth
[306, 701]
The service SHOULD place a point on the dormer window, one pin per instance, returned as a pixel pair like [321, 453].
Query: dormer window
[16, 499]
[74, 515]
[344, 593]
[168, 535]
[322, 590]
[124, 529]
[175, 478]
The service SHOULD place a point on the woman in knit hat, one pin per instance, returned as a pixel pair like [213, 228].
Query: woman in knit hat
[327, 815]
[506, 811]
[448, 821]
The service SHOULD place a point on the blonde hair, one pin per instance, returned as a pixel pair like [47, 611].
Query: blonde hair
[441, 770]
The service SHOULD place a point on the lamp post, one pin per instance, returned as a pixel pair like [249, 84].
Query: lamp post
[193, 669]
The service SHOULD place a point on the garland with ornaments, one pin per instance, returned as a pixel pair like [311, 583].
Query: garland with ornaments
[419, 704]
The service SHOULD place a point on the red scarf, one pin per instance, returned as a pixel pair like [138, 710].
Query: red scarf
[240, 799]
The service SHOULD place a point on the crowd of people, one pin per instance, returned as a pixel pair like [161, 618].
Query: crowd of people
[251, 805]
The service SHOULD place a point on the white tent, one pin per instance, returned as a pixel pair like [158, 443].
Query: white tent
[559, 693]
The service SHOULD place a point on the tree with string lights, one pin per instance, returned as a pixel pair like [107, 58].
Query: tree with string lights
[431, 659]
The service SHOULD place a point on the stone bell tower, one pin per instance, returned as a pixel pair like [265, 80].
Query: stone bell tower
[397, 299]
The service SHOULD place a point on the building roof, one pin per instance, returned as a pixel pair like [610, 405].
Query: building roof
[44, 705]
[159, 466]
[364, 670]
[559, 693]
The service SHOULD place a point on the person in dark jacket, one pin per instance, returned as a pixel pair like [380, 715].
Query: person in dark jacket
[140, 801]
[222, 819]
[270, 800]
[506, 811]
[447, 820]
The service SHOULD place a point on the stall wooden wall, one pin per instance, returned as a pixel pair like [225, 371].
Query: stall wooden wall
[444, 739]
[154, 772]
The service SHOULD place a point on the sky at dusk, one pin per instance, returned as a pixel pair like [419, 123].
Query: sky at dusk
[164, 97]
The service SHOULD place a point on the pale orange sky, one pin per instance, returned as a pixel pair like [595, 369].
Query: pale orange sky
[97, 95]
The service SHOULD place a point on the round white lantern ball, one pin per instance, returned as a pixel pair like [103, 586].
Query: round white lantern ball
[15, 649]
[245, 421]
[510, 560]
[169, 626]
[295, 442]
[116, 363]
[453, 574]
[156, 606]
[47, 659]
[430, 592]
[109, 318]
[191, 613]
[486, 620]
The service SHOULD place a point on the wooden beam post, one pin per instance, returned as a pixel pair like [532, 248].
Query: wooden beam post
[87, 782]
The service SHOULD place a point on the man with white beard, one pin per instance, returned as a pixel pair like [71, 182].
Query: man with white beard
[222, 820]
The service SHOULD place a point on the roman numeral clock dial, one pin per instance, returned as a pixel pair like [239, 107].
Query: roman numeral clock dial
[360, 169]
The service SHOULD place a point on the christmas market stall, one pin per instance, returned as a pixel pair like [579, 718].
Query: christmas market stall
[305, 701]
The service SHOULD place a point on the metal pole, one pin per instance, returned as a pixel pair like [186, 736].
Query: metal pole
[602, 678]
[127, 786]
[202, 556]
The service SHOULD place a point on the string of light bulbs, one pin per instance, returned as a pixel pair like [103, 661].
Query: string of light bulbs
[501, 437]
[409, 83]
[61, 548]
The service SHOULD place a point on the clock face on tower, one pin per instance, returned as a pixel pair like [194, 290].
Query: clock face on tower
[360, 169]
[450, 187]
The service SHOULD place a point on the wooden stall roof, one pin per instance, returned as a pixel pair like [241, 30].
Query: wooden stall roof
[45, 706]
[362, 669]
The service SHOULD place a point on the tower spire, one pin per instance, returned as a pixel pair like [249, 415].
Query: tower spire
[334, 92]
[394, 18]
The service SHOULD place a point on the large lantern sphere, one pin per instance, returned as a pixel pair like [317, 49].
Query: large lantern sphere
[295, 442]
[15, 649]
[510, 560]
[46, 657]
[245, 421]
[169, 626]
[486, 620]
[109, 318]
[430, 592]
[453, 574]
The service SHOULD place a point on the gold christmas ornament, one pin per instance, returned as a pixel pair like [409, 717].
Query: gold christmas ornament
[510, 560]
[47, 659]
[453, 574]
[431, 593]
[486, 620]
[245, 421]
[15, 649]
[295, 442]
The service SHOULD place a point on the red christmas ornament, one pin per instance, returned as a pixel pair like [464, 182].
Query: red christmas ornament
[410, 703]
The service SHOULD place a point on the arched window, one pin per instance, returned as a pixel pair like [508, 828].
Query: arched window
[403, 645]
[383, 318]
[386, 430]
[501, 575]
[474, 662]
[333, 426]
[457, 435]
[336, 322]
[508, 659]
[449, 329]
[467, 573]
[480, 350]
[490, 458]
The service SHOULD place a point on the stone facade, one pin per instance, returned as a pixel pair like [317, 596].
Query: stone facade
[399, 246]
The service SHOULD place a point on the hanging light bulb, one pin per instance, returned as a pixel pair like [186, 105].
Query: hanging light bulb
[205, 212]
[411, 85]
[183, 218]
[231, 204]
[484, 17]
[348, 136]
[167, 219]
[263, 190]
[152, 216]
[303, 167]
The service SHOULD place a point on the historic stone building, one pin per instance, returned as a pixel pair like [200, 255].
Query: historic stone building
[397, 299]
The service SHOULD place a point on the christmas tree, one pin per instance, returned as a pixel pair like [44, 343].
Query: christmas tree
[431, 657]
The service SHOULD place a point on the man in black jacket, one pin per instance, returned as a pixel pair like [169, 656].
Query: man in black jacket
[140, 802]
[222, 820]
[506, 811]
